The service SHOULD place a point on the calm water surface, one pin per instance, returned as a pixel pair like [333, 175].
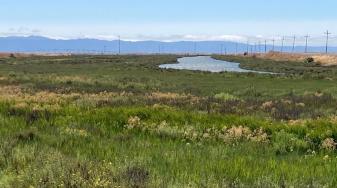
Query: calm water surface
[206, 63]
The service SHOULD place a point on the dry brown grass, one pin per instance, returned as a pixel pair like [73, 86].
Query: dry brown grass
[323, 59]
[7, 55]
[326, 60]
[284, 56]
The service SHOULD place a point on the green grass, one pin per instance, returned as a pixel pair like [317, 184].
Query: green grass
[141, 74]
[120, 121]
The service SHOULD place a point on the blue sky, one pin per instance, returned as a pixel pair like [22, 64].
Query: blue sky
[167, 20]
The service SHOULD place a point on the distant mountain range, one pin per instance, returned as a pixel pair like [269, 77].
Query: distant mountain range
[43, 44]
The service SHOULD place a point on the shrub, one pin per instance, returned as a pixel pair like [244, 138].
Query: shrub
[328, 144]
[225, 97]
[309, 60]
[52, 169]
[133, 122]
[26, 136]
[284, 109]
[241, 133]
[12, 74]
[284, 143]
[69, 82]
[136, 176]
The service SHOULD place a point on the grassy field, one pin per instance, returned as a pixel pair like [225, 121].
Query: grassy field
[120, 121]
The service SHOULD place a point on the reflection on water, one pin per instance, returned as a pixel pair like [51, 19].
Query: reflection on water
[206, 63]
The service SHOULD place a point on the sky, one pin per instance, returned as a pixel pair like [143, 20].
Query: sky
[169, 20]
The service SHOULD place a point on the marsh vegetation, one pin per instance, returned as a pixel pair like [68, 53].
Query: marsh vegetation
[120, 121]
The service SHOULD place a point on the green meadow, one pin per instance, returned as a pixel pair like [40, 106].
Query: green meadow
[120, 121]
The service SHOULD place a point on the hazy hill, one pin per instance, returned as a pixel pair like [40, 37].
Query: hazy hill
[42, 44]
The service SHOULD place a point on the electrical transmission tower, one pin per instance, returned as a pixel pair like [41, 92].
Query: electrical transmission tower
[259, 47]
[273, 45]
[223, 49]
[236, 48]
[306, 43]
[294, 41]
[327, 41]
[119, 45]
[195, 48]
[265, 46]
[247, 46]
[282, 44]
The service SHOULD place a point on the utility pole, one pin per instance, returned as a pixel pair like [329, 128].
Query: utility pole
[294, 41]
[162, 48]
[265, 46]
[247, 46]
[327, 41]
[306, 43]
[259, 46]
[195, 47]
[282, 44]
[236, 48]
[223, 49]
[119, 44]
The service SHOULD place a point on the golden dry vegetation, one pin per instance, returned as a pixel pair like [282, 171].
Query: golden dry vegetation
[322, 59]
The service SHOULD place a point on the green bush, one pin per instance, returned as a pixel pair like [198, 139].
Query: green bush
[225, 97]
[284, 143]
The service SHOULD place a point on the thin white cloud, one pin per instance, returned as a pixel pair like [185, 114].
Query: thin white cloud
[169, 32]
[20, 31]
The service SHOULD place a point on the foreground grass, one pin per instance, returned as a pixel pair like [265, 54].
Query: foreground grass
[90, 147]
[119, 121]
